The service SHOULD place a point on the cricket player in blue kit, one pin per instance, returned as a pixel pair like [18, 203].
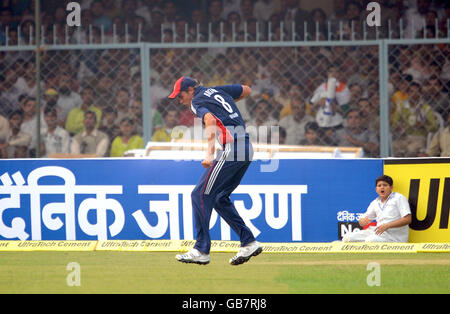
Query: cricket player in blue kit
[222, 119]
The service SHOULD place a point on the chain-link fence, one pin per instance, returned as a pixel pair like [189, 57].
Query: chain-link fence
[289, 89]
[290, 82]
[419, 97]
[103, 82]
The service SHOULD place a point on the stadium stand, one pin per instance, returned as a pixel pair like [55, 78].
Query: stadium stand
[285, 78]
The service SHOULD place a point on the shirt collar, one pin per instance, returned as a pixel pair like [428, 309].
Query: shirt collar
[94, 133]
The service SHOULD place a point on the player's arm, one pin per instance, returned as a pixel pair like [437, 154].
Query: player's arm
[364, 221]
[368, 216]
[246, 91]
[406, 220]
[210, 125]
[405, 214]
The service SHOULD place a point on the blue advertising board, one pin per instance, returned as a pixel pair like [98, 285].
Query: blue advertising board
[132, 199]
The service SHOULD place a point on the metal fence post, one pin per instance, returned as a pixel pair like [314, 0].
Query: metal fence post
[37, 17]
[146, 102]
[384, 99]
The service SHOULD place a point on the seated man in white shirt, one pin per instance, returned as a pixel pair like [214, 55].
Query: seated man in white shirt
[392, 213]
[55, 139]
[91, 141]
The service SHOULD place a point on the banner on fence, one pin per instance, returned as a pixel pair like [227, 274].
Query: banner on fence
[141, 199]
[426, 184]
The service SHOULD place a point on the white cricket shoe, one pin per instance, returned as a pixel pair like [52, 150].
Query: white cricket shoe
[245, 253]
[193, 256]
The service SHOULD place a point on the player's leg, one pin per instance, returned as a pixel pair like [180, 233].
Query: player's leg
[202, 208]
[202, 205]
[358, 236]
[202, 218]
[225, 208]
[227, 180]
[203, 202]
[378, 238]
[249, 246]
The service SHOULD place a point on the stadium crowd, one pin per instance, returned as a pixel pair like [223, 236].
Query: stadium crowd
[188, 20]
[91, 99]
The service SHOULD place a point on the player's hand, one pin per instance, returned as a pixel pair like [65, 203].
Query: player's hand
[364, 221]
[321, 102]
[380, 229]
[207, 162]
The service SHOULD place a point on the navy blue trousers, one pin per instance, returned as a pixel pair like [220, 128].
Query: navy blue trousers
[214, 190]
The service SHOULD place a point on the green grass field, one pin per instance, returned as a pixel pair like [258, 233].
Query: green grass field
[129, 272]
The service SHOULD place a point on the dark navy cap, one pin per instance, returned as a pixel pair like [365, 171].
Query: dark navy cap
[182, 84]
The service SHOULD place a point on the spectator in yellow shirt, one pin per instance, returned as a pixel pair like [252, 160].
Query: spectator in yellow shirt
[400, 94]
[411, 123]
[75, 118]
[126, 140]
[171, 119]
[440, 143]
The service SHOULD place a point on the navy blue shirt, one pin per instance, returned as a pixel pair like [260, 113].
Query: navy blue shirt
[219, 101]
